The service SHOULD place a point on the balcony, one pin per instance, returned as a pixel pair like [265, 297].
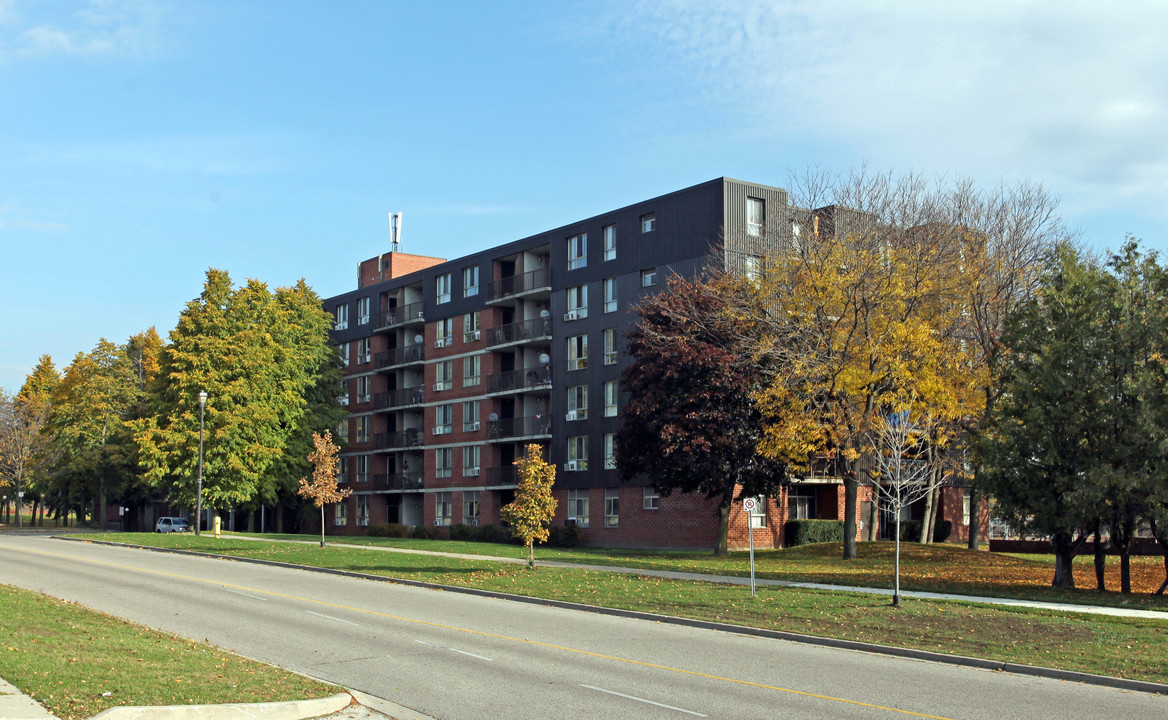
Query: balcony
[501, 476]
[517, 333]
[521, 427]
[401, 440]
[402, 315]
[399, 356]
[399, 398]
[398, 481]
[520, 380]
[518, 285]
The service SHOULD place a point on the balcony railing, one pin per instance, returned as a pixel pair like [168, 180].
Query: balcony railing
[519, 379]
[403, 439]
[525, 330]
[398, 481]
[398, 315]
[519, 284]
[400, 356]
[399, 398]
[519, 427]
[501, 475]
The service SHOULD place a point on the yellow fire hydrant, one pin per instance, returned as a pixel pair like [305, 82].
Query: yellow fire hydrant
[218, 525]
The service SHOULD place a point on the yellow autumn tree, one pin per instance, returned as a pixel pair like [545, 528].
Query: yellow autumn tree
[323, 486]
[531, 513]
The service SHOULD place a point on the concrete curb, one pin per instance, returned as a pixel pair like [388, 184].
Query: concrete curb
[926, 655]
[293, 710]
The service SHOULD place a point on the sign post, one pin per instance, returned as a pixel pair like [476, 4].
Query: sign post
[748, 504]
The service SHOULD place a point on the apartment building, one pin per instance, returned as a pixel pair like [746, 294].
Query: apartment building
[454, 366]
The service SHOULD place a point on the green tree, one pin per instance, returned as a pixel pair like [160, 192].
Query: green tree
[322, 488]
[530, 514]
[691, 424]
[256, 354]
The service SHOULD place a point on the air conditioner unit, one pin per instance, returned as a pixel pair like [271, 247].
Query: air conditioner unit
[573, 315]
[610, 463]
[571, 466]
[438, 522]
[444, 385]
[420, 315]
[441, 429]
[470, 472]
[443, 342]
[362, 521]
[471, 427]
[475, 335]
[572, 415]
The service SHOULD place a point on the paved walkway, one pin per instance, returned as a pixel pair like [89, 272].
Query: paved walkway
[15, 705]
[735, 580]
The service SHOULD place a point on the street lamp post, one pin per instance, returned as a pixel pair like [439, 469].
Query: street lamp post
[199, 496]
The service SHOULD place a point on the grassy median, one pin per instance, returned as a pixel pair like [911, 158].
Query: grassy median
[1119, 647]
[77, 662]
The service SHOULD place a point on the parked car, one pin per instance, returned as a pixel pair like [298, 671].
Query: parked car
[172, 524]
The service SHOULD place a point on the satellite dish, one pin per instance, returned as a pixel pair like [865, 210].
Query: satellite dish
[493, 417]
[545, 358]
[419, 339]
[544, 314]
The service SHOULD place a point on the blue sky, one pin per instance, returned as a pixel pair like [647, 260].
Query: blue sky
[143, 141]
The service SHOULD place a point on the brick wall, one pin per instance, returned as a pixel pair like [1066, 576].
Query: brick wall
[392, 265]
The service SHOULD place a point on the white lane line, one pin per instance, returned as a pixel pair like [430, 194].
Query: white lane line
[647, 702]
[329, 617]
[460, 652]
[253, 597]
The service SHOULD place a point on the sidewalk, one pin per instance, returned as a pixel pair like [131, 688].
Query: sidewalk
[736, 580]
[15, 705]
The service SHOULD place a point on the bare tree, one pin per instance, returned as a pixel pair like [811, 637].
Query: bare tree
[21, 441]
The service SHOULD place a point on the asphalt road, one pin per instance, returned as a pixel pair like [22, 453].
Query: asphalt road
[450, 655]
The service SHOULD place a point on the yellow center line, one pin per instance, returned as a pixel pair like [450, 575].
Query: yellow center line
[496, 636]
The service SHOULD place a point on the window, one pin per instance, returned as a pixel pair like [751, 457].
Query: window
[610, 346]
[470, 281]
[578, 402]
[443, 419]
[578, 251]
[470, 416]
[444, 333]
[471, 370]
[610, 392]
[758, 514]
[364, 351]
[341, 514]
[755, 216]
[363, 311]
[650, 500]
[648, 277]
[470, 461]
[470, 507]
[362, 510]
[443, 462]
[752, 267]
[648, 222]
[577, 302]
[443, 374]
[363, 389]
[610, 451]
[577, 453]
[610, 242]
[443, 508]
[363, 429]
[578, 507]
[610, 303]
[342, 317]
[611, 507]
[801, 503]
[470, 326]
[344, 396]
[965, 507]
[362, 468]
[577, 352]
[343, 349]
[442, 288]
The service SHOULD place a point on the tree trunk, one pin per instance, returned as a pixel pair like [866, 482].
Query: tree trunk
[872, 521]
[1065, 548]
[851, 493]
[1122, 531]
[974, 517]
[1100, 560]
[1162, 541]
[720, 545]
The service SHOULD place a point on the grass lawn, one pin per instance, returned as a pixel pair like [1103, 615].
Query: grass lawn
[77, 662]
[1097, 644]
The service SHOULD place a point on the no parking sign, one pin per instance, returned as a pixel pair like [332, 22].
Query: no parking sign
[749, 504]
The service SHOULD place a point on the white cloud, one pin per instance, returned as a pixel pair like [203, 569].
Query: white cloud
[95, 27]
[12, 217]
[1071, 93]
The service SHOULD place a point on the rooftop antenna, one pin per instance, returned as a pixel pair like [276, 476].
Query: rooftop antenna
[395, 224]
